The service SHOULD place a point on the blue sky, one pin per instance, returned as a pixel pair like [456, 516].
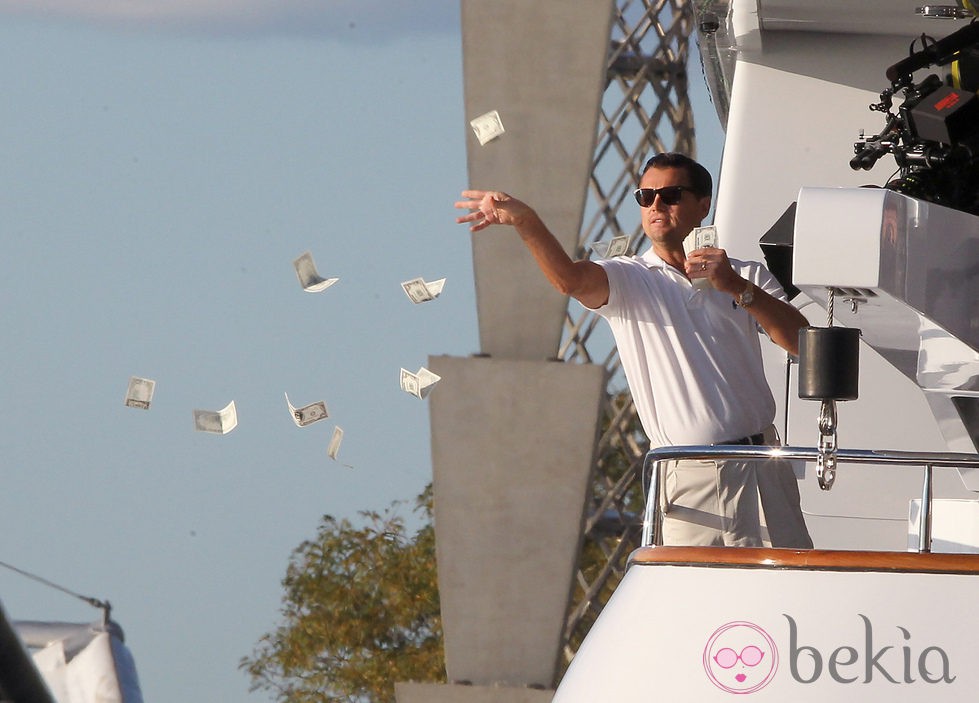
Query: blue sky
[162, 171]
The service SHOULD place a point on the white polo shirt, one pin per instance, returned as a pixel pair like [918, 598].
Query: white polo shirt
[692, 358]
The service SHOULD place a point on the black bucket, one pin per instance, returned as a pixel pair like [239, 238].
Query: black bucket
[829, 363]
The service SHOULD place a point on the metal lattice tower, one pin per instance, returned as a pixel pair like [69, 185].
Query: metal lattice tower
[645, 110]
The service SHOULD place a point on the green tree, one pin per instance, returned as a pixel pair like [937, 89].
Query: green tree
[360, 612]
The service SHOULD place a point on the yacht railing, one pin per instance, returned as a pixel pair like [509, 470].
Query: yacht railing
[652, 527]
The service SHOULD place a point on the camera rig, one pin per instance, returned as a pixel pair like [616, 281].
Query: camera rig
[933, 134]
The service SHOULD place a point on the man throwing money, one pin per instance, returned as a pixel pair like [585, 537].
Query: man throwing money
[691, 355]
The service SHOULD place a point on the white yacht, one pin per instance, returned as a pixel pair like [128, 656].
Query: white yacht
[852, 158]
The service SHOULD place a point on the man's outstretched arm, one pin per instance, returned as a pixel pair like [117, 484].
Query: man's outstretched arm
[585, 281]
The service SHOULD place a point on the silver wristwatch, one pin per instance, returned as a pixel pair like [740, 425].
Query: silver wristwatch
[747, 296]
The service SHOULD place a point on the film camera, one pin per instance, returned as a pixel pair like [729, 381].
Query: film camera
[933, 134]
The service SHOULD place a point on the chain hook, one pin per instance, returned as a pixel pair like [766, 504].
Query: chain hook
[826, 461]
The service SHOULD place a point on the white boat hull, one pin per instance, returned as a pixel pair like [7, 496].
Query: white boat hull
[812, 626]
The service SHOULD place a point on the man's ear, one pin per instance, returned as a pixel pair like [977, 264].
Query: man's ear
[704, 206]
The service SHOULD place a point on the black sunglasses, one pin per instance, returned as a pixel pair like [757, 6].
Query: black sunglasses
[670, 195]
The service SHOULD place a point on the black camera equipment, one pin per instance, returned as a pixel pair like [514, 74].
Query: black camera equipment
[933, 134]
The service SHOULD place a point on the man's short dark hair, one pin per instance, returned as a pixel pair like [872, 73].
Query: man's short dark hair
[700, 179]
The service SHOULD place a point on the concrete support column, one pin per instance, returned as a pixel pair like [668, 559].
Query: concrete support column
[512, 453]
[513, 433]
[540, 64]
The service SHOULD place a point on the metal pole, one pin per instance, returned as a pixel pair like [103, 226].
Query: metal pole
[651, 518]
[924, 515]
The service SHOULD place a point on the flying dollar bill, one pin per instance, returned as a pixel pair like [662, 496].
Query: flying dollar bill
[308, 414]
[616, 246]
[420, 290]
[309, 279]
[487, 127]
[140, 392]
[334, 448]
[419, 384]
[219, 422]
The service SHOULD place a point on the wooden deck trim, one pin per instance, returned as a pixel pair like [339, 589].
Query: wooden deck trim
[813, 559]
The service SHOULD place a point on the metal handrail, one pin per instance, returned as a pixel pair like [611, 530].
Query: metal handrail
[652, 518]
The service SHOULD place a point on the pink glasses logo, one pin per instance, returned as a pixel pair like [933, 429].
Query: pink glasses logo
[740, 657]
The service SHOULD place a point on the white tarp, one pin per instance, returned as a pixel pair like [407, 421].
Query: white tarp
[83, 663]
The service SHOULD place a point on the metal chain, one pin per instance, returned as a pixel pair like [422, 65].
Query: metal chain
[826, 461]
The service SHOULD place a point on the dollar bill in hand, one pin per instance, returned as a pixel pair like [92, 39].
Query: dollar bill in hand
[699, 238]
[140, 392]
[487, 127]
[309, 279]
[308, 414]
[607, 248]
[421, 291]
[705, 236]
[419, 384]
[219, 422]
